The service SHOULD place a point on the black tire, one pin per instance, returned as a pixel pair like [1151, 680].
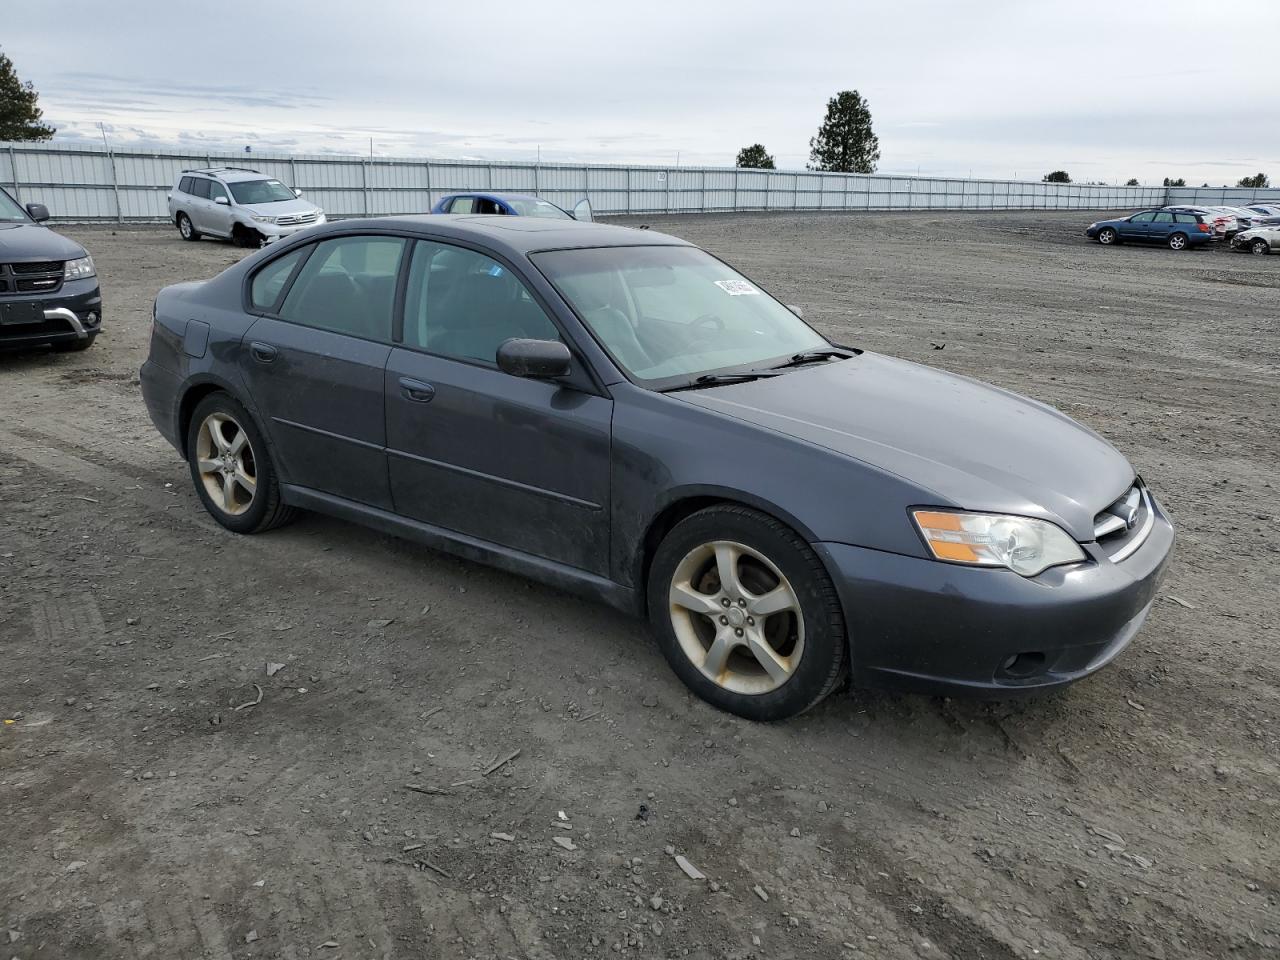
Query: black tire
[266, 510]
[1178, 241]
[243, 236]
[1107, 236]
[1259, 247]
[186, 229]
[824, 649]
[75, 346]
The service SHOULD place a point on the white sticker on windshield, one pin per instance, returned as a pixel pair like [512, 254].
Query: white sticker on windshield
[737, 288]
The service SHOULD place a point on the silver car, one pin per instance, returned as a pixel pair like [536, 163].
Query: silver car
[238, 204]
[1259, 240]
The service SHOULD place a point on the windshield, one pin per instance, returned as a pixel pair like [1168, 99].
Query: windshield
[537, 208]
[9, 209]
[260, 191]
[671, 314]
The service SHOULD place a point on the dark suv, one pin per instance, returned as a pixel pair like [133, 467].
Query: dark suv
[48, 286]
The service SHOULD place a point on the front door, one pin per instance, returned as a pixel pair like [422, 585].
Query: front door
[1137, 226]
[314, 363]
[516, 462]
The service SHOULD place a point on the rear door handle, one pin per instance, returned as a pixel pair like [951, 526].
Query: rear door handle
[263, 352]
[416, 390]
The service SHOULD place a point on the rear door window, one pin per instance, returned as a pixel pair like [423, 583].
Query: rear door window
[462, 205]
[200, 187]
[348, 285]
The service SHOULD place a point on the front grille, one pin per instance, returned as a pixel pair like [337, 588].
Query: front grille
[43, 276]
[295, 218]
[1123, 526]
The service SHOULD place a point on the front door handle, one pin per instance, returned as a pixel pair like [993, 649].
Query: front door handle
[416, 390]
[263, 352]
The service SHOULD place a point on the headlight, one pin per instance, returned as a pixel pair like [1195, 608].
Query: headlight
[79, 269]
[1024, 545]
[263, 219]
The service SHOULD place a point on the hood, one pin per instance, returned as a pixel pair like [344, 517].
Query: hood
[976, 446]
[31, 241]
[281, 208]
[1259, 232]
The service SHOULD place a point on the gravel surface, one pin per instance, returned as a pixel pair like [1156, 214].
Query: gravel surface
[360, 809]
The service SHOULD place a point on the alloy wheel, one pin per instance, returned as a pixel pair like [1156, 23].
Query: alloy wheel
[1106, 236]
[1260, 248]
[225, 460]
[1177, 241]
[184, 227]
[737, 617]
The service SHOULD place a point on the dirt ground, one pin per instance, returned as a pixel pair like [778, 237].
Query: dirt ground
[146, 815]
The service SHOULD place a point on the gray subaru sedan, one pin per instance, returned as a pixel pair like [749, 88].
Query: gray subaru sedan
[619, 413]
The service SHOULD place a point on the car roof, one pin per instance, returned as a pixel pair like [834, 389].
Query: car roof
[229, 174]
[514, 236]
[488, 195]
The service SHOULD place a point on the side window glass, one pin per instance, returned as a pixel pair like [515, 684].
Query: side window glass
[1184, 218]
[1143, 218]
[199, 187]
[464, 305]
[1164, 216]
[268, 283]
[184, 185]
[485, 205]
[463, 205]
[217, 190]
[348, 286]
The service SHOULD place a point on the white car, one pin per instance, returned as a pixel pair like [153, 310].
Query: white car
[1259, 241]
[238, 204]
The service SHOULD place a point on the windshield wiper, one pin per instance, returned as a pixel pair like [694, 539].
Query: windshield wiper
[717, 379]
[811, 356]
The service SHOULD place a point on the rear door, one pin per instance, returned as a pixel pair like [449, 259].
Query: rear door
[516, 462]
[199, 204]
[1163, 224]
[314, 362]
[219, 213]
[1137, 227]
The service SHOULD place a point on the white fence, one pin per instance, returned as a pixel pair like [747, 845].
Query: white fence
[82, 183]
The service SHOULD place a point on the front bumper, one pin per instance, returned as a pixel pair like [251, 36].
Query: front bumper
[276, 231]
[73, 313]
[935, 627]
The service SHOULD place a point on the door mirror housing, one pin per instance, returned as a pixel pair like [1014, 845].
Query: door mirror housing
[582, 211]
[534, 359]
[38, 212]
[222, 200]
[297, 192]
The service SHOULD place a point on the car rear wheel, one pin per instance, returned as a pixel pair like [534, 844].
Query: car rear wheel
[187, 228]
[1178, 241]
[1259, 247]
[746, 614]
[231, 468]
[1106, 236]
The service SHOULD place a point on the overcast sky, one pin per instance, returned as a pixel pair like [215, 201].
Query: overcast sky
[1106, 90]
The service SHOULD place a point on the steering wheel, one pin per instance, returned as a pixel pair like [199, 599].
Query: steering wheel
[708, 320]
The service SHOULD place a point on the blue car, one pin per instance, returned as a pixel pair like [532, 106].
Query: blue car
[1178, 229]
[511, 205]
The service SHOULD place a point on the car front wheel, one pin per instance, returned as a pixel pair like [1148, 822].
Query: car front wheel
[1178, 241]
[231, 468]
[746, 614]
[1106, 236]
[1259, 247]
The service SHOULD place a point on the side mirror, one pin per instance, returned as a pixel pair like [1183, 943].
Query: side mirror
[297, 192]
[38, 212]
[798, 311]
[535, 359]
[582, 211]
[222, 200]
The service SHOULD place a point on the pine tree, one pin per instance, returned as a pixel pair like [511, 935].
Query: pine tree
[845, 142]
[19, 114]
[755, 157]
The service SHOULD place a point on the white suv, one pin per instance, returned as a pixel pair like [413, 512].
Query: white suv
[239, 204]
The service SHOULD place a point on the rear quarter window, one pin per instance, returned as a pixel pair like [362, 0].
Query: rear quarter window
[268, 283]
[184, 185]
[1186, 218]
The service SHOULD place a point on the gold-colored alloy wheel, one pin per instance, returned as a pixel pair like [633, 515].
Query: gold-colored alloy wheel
[736, 617]
[226, 463]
